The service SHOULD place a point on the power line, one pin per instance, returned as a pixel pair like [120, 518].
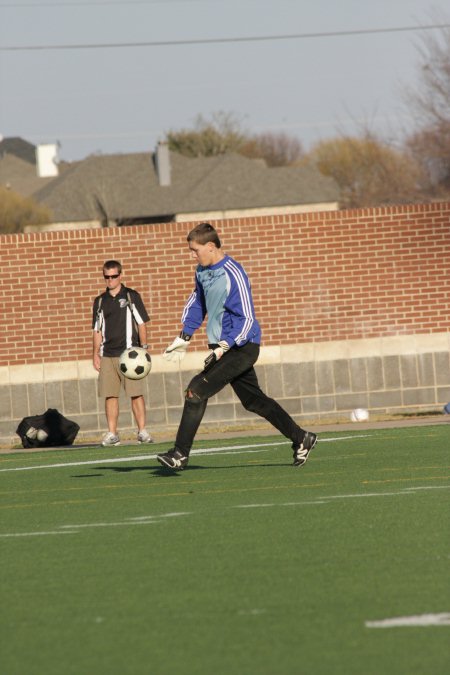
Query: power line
[206, 41]
[89, 3]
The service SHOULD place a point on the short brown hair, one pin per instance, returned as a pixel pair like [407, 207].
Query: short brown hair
[113, 264]
[204, 233]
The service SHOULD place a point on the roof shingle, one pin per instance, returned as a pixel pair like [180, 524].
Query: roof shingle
[126, 186]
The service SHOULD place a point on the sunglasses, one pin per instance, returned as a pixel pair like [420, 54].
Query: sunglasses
[111, 276]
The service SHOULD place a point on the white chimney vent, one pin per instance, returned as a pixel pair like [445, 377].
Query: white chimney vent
[163, 164]
[47, 160]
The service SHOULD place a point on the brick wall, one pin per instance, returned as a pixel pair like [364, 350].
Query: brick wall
[353, 305]
[316, 277]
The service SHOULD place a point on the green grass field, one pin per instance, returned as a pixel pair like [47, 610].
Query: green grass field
[241, 564]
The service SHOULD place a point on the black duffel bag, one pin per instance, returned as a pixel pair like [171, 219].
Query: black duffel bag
[47, 430]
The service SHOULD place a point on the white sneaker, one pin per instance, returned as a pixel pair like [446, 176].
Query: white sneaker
[110, 439]
[144, 437]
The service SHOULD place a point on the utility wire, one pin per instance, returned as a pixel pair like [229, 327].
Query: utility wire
[207, 41]
[88, 3]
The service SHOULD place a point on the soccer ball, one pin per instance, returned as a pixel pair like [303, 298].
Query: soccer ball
[31, 433]
[135, 363]
[359, 415]
[41, 435]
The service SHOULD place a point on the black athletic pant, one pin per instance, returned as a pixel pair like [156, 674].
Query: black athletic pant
[234, 368]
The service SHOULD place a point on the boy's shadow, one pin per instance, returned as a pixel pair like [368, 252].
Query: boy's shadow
[164, 472]
[154, 470]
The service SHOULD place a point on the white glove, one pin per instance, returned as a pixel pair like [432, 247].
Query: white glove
[216, 354]
[177, 350]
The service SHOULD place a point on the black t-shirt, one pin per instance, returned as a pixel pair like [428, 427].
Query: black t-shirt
[116, 321]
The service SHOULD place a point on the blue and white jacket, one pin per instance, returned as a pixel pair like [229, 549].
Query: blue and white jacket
[222, 291]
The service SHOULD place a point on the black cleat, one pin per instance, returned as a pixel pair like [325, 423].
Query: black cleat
[174, 459]
[301, 453]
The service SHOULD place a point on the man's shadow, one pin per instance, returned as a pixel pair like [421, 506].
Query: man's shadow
[165, 472]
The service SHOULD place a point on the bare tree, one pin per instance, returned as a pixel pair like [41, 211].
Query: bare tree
[277, 149]
[430, 101]
[224, 133]
[214, 137]
[368, 171]
[17, 212]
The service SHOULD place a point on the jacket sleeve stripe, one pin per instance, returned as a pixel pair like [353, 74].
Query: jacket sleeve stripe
[192, 298]
[244, 295]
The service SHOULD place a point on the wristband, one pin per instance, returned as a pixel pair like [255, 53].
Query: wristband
[184, 336]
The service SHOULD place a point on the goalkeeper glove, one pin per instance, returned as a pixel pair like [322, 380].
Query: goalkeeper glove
[216, 354]
[177, 350]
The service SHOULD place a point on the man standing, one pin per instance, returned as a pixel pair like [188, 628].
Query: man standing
[118, 322]
[222, 292]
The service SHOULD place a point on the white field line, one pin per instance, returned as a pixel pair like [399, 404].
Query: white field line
[175, 514]
[227, 449]
[141, 520]
[428, 487]
[75, 528]
[441, 619]
[268, 505]
[11, 535]
[152, 519]
[325, 499]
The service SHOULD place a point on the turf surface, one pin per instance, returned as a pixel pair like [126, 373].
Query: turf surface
[240, 564]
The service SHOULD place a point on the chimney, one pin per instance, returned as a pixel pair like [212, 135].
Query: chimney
[163, 164]
[47, 160]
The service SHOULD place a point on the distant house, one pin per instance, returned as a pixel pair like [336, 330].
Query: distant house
[18, 147]
[21, 167]
[138, 188]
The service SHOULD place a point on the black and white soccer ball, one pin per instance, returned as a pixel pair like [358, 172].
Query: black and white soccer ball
[135, 363]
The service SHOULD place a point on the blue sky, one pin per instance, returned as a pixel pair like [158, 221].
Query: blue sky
[124, 99]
